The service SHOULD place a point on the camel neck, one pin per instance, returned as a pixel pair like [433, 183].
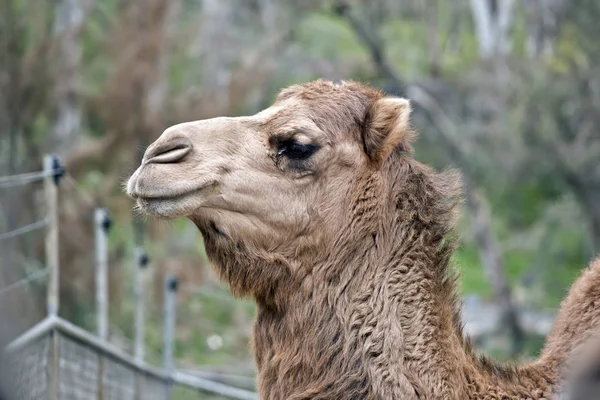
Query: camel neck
[380, 321]
[374, 331]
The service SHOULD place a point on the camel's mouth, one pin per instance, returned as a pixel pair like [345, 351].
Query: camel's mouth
[160, 206]
[169, 203]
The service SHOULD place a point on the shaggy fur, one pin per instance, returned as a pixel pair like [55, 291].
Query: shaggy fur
[347, 252]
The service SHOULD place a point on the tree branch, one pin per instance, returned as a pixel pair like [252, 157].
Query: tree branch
[376, 51]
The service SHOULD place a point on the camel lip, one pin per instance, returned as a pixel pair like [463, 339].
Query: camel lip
[137, 188]
[171, 205]
[175, 195]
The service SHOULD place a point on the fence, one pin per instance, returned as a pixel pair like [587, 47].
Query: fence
[58, 360]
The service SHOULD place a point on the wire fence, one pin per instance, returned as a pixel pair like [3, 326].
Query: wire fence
[27, 178]
[29, 278]
[59, 360]
[56, 359]
[24, 229]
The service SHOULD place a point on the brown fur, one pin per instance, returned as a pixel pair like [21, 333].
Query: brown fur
[346, 253]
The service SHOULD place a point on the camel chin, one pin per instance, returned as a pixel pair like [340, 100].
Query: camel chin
[161, 208]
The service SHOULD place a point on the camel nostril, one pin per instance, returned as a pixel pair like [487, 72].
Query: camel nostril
[171, 152]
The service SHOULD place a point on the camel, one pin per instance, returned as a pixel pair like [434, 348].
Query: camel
[316, 209]
[582, 380]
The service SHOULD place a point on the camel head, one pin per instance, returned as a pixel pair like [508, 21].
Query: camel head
[272, 192]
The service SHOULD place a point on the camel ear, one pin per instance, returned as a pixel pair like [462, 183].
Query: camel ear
[387, 127]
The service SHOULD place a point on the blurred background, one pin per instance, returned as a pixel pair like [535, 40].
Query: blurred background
[507, 91]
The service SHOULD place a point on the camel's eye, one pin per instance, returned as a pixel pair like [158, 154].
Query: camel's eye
[296, 151]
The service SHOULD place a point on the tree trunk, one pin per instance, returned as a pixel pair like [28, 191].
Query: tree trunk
[217, 69]
[491, 259]
[542, 24]
[69, 17]
[493, 20]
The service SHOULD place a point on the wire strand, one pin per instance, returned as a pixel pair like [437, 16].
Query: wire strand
[23, 179]
[24, 229]
[31, 277]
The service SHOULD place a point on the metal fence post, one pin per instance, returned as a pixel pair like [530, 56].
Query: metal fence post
[170, 291]
[51, 166]
[101, 225]
[53, 171]
[141, 261]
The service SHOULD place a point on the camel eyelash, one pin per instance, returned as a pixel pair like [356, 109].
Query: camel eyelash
[295, 150]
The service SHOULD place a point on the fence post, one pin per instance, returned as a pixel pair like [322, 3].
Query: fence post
[51, 193]
[141, 261]
[170, 291]
[101, 225]
[53, 171]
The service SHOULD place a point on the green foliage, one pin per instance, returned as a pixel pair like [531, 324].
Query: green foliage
[569, 53]
[472, 276]
[341, 44]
